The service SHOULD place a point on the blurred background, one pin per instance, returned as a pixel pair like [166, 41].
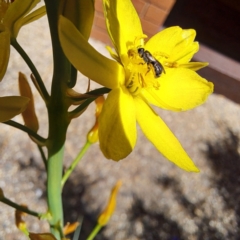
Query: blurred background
[157, 200]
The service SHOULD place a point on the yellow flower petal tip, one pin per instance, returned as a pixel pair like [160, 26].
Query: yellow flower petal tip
[192, 168]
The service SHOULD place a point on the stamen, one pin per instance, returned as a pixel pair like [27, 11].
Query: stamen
[142, 69]
[171, 64]
[130, 84]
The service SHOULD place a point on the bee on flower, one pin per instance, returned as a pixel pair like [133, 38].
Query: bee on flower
[142, 73]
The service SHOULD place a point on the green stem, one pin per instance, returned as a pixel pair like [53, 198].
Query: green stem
[32, 67]
[19, 207]
[58, 122]
[81, 107]
[78, 230]
[73, 78]
[94, 232]
[54, 191]
[43, 156]
[17, 125]
[75, 162]
[99, 91]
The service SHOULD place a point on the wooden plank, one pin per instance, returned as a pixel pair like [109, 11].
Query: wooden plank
[217, 23]
[223, 71]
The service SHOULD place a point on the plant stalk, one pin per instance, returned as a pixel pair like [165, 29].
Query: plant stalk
[58, 122]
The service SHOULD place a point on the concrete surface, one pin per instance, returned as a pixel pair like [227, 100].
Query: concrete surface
[157, 199]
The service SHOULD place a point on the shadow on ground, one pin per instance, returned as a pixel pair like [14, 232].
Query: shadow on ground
[75, 198]
[223, 158]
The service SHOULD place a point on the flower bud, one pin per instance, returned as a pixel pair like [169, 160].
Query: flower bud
[70, 227]
[108, 211]
[20, 223]
[29, 115]
[5, 50]
[93, 133]
[80, 13]
[41, 236]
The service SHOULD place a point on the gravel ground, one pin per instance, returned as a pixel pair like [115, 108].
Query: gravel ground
[157, 199]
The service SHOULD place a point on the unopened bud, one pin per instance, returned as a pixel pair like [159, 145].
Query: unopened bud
[20, 223]
[29, 115]
[41, 236]
[70, 227]
[93, 133]
[108, 211]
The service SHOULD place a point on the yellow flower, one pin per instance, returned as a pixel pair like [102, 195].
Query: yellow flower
[157, 72]
[13, 15]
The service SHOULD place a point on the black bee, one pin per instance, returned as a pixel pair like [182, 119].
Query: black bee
[151, 61]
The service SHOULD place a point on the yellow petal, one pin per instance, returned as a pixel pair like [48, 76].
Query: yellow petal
[184, 54]
[180, 89]
[86, 59]
[123, 24]
[29, 115]
[188, 36]
[161, 136]
[186, 48]
[12, 106]
[164, 41]
[194, 66]
[117, 125]
[80, 13]
[5, 50]
[17, 10]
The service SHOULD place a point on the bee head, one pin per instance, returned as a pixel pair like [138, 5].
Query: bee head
[141, 52]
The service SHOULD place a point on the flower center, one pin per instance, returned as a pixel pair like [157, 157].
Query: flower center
[143, 70]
